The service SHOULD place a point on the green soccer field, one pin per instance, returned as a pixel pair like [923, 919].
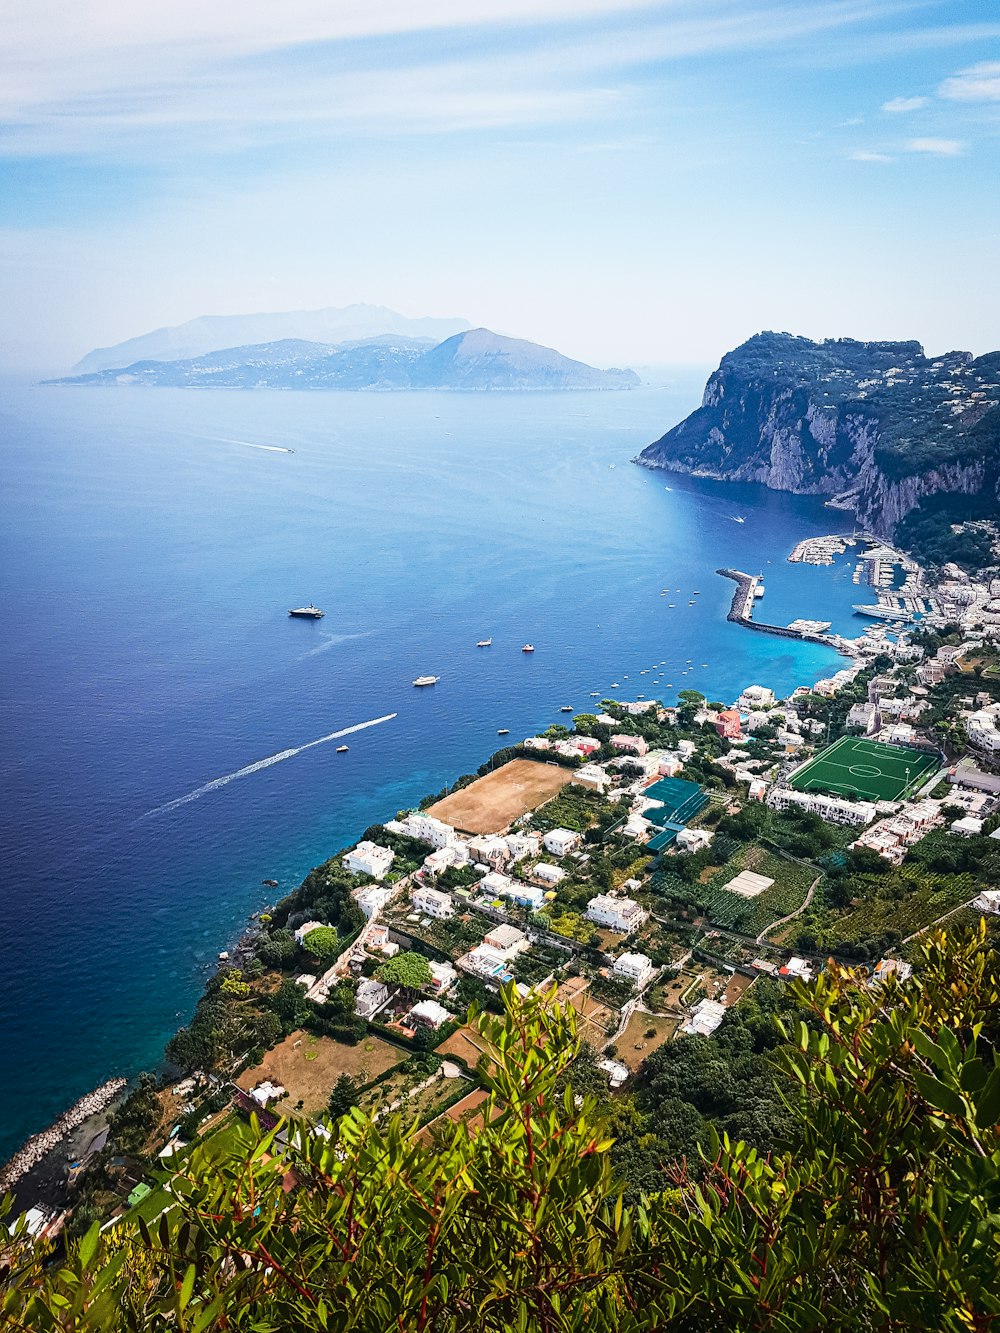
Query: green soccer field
[854, 766]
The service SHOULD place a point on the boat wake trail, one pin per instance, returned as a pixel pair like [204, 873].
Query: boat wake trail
[216, 783]
[270, 448]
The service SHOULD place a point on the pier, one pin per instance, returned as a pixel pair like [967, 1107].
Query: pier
[741, 612]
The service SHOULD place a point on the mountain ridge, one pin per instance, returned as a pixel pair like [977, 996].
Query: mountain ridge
[214, 333]
[475, 359]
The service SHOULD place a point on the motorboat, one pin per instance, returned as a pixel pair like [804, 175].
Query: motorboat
[309, 612]
[427, 680]
[528, 648]
[342, 749]
[484, 643]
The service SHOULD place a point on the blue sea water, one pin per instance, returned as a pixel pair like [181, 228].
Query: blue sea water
[149, 557]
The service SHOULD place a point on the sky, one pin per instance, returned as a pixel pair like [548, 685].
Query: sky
[631, 182]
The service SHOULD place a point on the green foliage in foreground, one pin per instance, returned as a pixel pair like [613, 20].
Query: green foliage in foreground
[882, 1215]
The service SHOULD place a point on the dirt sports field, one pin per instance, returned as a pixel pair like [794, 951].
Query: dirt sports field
[490, 804]
[309, 1066]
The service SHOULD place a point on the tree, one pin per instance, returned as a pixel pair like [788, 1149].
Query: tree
[409, 970]
[880, 1216]
[322, 943]
[343, 1097]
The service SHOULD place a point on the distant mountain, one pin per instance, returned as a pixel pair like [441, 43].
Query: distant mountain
[909, 443]
[215, 333]
[476, 360]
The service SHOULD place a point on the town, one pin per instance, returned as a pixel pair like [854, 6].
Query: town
[659, 868]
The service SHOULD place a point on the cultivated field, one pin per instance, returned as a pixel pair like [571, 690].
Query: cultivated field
[309, 1066]
[490, 804]
[853, 766]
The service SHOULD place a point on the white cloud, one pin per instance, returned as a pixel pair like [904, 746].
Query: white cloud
[119, 75]
[978, 83]
[937, 147]
[862, 155]
[898, 105]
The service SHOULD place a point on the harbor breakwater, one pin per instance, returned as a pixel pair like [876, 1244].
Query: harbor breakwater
[742, 606]
[39, 1145]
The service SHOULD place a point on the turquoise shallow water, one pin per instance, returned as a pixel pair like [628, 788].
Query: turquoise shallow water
[149, 558]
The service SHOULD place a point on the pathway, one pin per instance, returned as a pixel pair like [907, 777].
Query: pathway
[762, 937]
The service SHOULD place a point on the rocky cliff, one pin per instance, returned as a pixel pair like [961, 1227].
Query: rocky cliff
[877, 426]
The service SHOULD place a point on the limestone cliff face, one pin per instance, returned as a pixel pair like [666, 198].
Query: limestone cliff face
[879, 426]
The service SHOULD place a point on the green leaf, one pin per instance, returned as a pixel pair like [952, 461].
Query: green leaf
[938, 1095]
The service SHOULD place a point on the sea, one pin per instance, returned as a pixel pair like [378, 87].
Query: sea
[170, 734]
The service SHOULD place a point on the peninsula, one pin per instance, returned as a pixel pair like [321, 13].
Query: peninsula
[909, 444]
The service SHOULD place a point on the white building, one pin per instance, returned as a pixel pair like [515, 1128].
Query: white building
[754, 697]
[549, 874]
[797, 967]
[371, 995]
[692, 839]
[634, 967]
[506, 940]
[705, 1018]
[368, 858]
[831, 808]
[429, 1014]
[988, 901]
[560, 841]
[593, 775]
[486, 962]
[521, 845]
[431, 902]
[636, 827]
[302, 931]
[371, 899]
[967, 827]
[425, 828]
[455, 854]
[616, 1071]
[495, 884]
[621, 914]
[443, 977]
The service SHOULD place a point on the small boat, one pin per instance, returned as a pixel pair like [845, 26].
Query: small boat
[309, 612]
[342, 749]
[615, 685]
[484, 643]
[668, 488]
[270, 883]
[671, 605]
[738, 520]
[503, 731]
[427, 680]
[595, 694]
[528, 648]
[565, 709]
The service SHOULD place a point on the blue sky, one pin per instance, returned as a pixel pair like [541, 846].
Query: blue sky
[631, 182]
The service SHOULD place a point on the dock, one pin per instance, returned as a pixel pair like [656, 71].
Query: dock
[741, 612]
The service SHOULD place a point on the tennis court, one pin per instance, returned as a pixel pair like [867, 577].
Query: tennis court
[872, 770]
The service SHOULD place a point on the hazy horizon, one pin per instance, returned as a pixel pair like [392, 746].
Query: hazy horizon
[628, 181]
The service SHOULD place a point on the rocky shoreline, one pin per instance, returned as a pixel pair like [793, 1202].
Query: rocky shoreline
[40, 1145]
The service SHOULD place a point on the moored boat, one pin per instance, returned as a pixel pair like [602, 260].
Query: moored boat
[427, 680]
[528, 648]
[484, 643]
[342, 749]
[309, 612]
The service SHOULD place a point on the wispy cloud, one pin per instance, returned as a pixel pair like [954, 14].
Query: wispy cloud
[900, 105]
[978, 83]
[863, 155]
[234, 72]
[936, 147]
